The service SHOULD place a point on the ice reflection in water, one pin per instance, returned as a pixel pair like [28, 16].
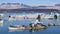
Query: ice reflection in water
[30, 30]
[36, 30]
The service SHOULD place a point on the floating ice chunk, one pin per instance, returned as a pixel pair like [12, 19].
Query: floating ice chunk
[36, 22]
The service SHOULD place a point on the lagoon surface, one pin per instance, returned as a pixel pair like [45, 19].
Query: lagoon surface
[7, 23]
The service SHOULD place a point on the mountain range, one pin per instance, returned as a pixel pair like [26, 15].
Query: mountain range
[24, 6]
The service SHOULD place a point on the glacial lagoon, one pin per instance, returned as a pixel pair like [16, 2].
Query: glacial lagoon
[7, 23]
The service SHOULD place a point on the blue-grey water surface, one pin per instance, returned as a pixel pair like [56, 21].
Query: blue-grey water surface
[49, 30]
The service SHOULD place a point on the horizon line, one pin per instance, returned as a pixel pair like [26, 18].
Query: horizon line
[33, 4]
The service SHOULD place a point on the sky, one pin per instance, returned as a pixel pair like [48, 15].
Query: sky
[31, 2]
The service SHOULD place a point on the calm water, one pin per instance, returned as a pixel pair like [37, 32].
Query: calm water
[49, 30]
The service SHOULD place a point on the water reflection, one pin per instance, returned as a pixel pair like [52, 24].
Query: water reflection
[16, 30]
[30, 30]
[36, 30]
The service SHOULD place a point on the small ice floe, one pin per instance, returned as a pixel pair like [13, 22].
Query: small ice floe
[16, 28]
[1, 23]
[11, 19]
[58, 15]
[51, 24]
[57, 24]
[37, 21]
[1, 16]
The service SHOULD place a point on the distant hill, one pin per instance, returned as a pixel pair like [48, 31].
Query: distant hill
[27, 7]
[13, 6]
[57, 4]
